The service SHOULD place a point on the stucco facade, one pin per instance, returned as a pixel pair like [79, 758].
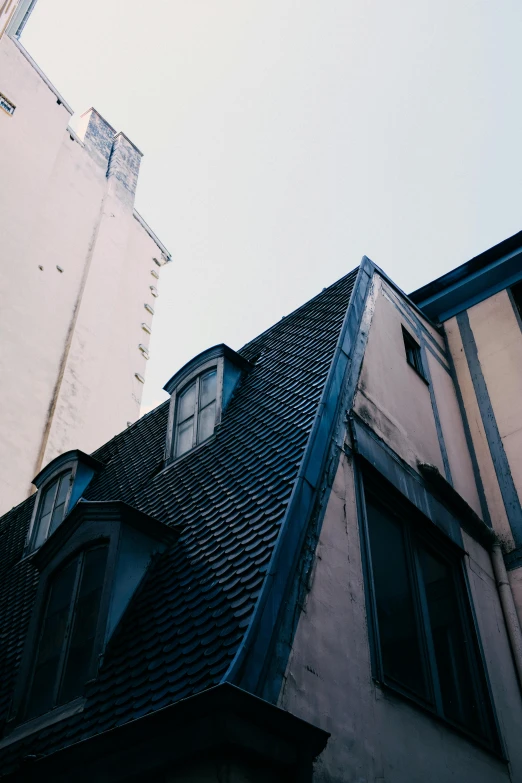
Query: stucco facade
[78, 277]
[329, 680]
[479, 307]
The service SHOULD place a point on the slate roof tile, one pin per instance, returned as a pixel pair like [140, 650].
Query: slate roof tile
[228, 497]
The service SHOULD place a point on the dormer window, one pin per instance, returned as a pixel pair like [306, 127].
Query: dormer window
[60, 485]
[196, 412]
[64, 654]
[89, 571]
[200, 392]
[51, 507]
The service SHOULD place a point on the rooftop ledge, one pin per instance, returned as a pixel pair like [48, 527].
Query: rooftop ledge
[223, 722]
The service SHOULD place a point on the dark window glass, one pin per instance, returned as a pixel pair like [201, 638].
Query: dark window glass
[427, 647]
[398, 631]
[51, 507]
[450, 642]
[198, 398]
[66, 643]
[516, 291]
[52, 641]
[83, 625]
[413, 353]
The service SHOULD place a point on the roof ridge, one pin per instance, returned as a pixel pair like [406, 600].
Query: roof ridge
[297, 310]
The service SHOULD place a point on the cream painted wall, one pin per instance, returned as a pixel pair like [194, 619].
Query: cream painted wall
[69, 339]
[394, 400]
[492, 492]
[376, 737]
[499, 345]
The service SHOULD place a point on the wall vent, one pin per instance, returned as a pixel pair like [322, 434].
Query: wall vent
[149, 309]
[146, 328]
[153, 290]
[6, 105]
[143, 350]
[154, 274]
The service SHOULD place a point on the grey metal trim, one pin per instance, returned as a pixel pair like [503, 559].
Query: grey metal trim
[496, 447]
[404, 478]
[434, 407]
[152, 235]
[515, 308]
[469, 440]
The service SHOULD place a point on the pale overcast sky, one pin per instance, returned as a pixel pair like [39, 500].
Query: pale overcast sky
[284, 139]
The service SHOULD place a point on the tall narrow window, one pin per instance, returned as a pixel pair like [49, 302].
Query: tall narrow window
[196, 412]
[51, 508]
[426, 645]
[65, 648]
[413, 353]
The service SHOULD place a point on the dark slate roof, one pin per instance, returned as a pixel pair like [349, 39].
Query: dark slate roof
[229, 496]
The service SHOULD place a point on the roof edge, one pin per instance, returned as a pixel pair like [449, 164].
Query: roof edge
[143, 223]
[248, 667]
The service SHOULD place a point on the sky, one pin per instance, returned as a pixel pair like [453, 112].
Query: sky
[284, 139]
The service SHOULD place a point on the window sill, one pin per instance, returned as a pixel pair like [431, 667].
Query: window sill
[390, 692]
[174, 460]
[43, 721]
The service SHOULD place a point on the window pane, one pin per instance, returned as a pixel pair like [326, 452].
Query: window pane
[187, 403]
[44, 514]
[52, 640]
[207, 421]
[43, 527]
[207, 388]
[453, 648]
[84, 625]
[400, 648]
[59, 505]
[184, 437]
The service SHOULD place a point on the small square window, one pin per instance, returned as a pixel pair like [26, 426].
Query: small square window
[425, 646]
[413, 354]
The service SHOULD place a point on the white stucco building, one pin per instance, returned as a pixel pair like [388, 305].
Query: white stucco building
[79, 272]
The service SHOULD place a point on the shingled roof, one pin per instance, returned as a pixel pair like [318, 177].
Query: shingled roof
[188, 619]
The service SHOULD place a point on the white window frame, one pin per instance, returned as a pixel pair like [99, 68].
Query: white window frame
[216, 363]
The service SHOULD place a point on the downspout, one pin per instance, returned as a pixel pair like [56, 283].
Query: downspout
[508, 606]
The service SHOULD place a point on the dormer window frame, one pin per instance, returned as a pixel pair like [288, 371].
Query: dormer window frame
[90, 525]
[195, 376]
[214, 358]
[69, 462]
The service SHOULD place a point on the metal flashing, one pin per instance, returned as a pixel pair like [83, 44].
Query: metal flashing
[403, 477]
[472, 282]
[248, 667]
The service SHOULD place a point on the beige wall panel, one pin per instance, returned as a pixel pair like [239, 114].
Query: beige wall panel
[392, 398]
[453, 432]
[487, 471]
[499, 345]
[376, 736]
